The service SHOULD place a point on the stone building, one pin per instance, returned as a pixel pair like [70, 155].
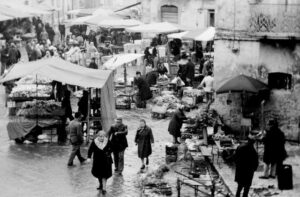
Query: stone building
[189, 13]
[260, 38]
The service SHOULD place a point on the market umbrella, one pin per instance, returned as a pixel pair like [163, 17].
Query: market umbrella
[95, 19]
[29, 35]
[78, 21]
[4, 17]
[242, 83]
[13, 12]
[207, 35]
[163, 27]
[191, 35]
[177, 35]
[121, 59]
[118, 23]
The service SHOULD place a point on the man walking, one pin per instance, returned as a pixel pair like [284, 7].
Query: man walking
[76, 138]
[246, 160]
[117, 135]
[208, 85]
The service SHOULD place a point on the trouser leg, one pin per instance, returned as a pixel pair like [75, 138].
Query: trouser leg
[78, 154]
[273, 169]
[116, 160]
[73, 154]
[121, 161]
[267, 170]
[100, 183]
[239, 189]
[246, 191]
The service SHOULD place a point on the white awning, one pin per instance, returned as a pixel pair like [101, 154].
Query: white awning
[163, 27]
[207, 35]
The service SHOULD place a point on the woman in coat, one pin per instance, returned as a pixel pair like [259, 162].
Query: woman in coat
[176, 124]
[143, 140]
[101, 150]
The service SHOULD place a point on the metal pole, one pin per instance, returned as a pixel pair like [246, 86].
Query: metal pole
[88, 117]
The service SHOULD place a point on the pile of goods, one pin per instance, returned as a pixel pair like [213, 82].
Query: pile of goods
[191, 97]
[165, 104]
[30, 90]
[162, 80]
[154, 185]
[31, 86]
[40, 109]
[171, 153]
[34, 80]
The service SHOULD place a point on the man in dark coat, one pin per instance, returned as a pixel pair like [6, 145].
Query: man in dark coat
[117, 135]
[76, 138]
[83, 104]
[246, 160]
[274, 150]
[14, 55]
[176, 124]
[144, 92]
[190, 73]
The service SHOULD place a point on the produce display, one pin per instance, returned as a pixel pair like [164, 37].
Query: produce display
[124, 100]
[167, 103]
[34, 80]
[162, 80]
[40, 109]
[190, 96]
[31, 90]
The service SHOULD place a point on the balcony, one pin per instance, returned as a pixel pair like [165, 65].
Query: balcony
[278, 21]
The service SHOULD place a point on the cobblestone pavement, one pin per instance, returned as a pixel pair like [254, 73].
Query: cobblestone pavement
[40, 169]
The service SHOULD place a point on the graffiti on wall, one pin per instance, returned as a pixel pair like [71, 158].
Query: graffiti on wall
[262, 23]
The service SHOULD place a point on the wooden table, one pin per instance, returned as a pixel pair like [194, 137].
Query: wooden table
[220, 149]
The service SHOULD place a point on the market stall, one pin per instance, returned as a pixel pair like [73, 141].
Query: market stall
[123, 91]
[65, 72]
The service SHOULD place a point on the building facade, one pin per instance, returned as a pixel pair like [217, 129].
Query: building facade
[260, 38]
[188, 13]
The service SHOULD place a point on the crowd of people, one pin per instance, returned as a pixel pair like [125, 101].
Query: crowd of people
[109, 148]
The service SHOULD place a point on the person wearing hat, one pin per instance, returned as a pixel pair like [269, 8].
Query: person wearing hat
[93, 64]
[246, 163]
[144, 93]
[274, 150]
[117, 135]
[176, 123]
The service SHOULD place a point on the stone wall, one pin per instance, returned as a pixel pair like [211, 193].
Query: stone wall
[191, 13]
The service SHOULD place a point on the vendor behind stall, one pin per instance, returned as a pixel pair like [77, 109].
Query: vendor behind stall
[176, 124]
[144, 92]
[182, 71]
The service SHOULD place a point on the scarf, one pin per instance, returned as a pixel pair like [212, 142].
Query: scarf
[101, 145]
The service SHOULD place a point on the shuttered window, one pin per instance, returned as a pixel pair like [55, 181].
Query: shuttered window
[169, 13]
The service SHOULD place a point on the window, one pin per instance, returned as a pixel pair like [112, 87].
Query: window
[211, 18]
[279, 80]
[169, 13]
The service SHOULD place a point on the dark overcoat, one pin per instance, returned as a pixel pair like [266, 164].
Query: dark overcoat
[176, 123]
[143, 139]
[102, 160]
[190, 73]
[118, 142]
[144, 89]
[246, 161]
[274, 151]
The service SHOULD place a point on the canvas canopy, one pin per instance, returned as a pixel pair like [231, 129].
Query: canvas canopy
[119, 60]
[119, 23]
[177, 35]
[13, 12]
[63, 71]
[207, 35]
[201, 35]
[163, 27]
[78, 21]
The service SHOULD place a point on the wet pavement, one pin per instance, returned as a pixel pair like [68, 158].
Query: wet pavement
[36, 170]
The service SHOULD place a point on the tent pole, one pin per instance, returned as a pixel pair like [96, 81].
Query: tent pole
[88, 117]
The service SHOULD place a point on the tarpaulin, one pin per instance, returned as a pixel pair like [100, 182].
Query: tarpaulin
[63, 71]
